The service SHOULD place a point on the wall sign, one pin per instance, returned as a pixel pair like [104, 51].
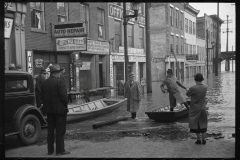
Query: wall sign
[98, 47]
[39, 63]
[132, 50]
[7, 27]
[85, 66]
[71, 44]
[29, 62]
[68, 29]
[192, 57]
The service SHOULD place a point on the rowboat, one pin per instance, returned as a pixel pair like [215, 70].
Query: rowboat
[163, 114]
[93, 109]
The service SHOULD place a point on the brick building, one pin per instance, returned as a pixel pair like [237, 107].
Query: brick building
[74, 35]
[136, 43]
[167, 38]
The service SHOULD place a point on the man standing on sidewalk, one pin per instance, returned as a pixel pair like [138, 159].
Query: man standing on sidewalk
[175, 94]
[39, 80]
[132, 91]
[55, 105]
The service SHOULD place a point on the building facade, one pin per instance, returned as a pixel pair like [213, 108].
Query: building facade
[167, 39]
[74, 35]
[136, 43]
[14, 34]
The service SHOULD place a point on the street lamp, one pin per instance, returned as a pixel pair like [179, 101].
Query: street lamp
[126, 18]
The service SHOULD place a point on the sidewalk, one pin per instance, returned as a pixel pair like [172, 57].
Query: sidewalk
[137, 147]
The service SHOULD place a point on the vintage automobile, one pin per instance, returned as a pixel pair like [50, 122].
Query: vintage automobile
[22, 117]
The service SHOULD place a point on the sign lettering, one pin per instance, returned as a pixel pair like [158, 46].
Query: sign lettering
[7, 27]
[71, 44]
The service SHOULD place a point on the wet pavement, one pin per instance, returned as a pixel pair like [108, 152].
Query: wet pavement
[221, 117]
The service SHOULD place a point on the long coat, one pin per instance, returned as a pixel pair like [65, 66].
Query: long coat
[197, 112]
[133, 95]
[39, 81]
[54, 96]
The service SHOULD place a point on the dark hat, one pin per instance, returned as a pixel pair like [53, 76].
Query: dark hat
[198, 77]
[131, 74]
[169, 71]
[43, 71]
[55, 68]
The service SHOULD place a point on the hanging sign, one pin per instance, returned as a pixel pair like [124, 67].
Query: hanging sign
[39, 63]
[71, 44]
[68, 29]
[7, 27]
[29, 62]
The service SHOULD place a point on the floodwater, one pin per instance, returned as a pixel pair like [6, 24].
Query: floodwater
[220, 107]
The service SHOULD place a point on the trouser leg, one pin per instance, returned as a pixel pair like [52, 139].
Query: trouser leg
[198, 136]
[186, 105]
[172, 101]
[60, 131]
[50, 135]
[203, 136]
[133, 115]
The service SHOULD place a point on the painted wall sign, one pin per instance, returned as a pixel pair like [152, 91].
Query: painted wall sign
[85, 66]
[77, 79]
[116, 12]
[120, 58]
[7, 27]
[71, 44]
[29, 62]
[10, 6]
[68, 29]
[132, 50]
[71, 76]
[98, 47]
[192, 57]
[111, 74]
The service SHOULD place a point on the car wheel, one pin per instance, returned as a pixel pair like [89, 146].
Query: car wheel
[30, 129]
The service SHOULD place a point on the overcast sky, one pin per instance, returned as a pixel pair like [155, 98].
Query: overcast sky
[224, 10]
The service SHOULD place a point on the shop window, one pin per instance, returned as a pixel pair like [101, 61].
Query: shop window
[117, 37]
[101, 25]
[84, 15]
[141, 37]
[62, 11]
[37, 15]
[117, 3]
[130, 35]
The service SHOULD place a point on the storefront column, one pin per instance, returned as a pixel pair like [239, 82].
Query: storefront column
[95, 71]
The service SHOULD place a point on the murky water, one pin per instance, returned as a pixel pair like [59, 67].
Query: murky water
[221, 109]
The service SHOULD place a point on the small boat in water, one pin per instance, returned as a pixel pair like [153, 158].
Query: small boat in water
[163, 114]
[93, 109]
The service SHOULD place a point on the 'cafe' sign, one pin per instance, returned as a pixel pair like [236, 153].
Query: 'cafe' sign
[116, 11]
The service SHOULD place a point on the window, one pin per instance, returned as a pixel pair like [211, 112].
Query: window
[129, 6]
[171, 16]
[16, 84]
[186, 48]
[171, 44]
[141, 37]
[182, 18]
[84, 15]
[117, 37]
[130, 35]
[190, 27]
[37, 15]
[177, 45]
[101, 27]
[186, 25]
[141, 9]
[190, 49]
[62, 11]
[193, 28]
[177, 18]
[117, 3]
[194, 49]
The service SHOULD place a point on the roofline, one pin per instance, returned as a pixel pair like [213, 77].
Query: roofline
[189, 7]
[214, 16]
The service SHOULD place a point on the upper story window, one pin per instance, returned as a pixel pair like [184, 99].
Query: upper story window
[141, 37]
[37, 15]
[141, 9]
[181, 18]
[130, 35]
[186, 25]
[194, 30]
[62, 11]
[117, 37]
[171, 16]
[190, 27]
[84, 15]
[129, 6]
[100, 22]
[118, 3]
[177, 18]
[190, 49]
[177, 43]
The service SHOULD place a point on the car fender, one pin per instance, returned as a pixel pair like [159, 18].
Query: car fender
[24, 110]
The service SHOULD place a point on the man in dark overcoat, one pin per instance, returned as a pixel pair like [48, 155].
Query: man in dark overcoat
[55, 105]
[39, 80]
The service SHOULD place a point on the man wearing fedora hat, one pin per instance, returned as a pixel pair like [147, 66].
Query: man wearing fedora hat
[132, 91]
[175, 94]
[55, 105]
[198, 112]
[39, 80]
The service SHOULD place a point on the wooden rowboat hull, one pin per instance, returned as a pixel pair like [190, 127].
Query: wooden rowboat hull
[98, 111]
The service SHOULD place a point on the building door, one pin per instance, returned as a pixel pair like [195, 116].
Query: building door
[100, 75]
[63, 61]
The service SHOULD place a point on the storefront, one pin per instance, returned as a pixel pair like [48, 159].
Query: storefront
[137, 65]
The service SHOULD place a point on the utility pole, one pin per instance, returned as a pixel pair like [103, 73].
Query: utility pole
[125, 41]
[148, 50]
[207, 53]
[227, 21]
[232, 59]
[217, 42]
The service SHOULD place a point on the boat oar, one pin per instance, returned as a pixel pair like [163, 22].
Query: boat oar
[104, 123]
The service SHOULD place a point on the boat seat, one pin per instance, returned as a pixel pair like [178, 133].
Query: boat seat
[92, 106]
[85, 107]
[99, 104]
[77, 109]
[104, 104]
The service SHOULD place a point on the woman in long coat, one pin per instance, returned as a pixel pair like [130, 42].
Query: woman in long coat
[197, 112]
[132, 91]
